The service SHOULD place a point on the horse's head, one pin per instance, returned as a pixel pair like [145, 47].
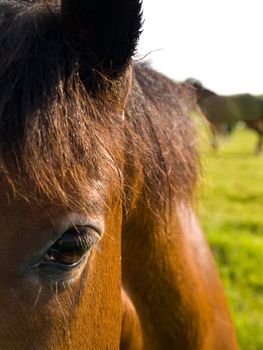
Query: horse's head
[99, 246]
[64, 82]
[200, 91]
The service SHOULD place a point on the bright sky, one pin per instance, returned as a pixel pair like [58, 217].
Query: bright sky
[219, 42]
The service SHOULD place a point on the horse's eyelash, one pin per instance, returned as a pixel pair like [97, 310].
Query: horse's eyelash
[88, 240]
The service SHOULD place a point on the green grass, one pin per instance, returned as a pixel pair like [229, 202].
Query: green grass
[231, 212]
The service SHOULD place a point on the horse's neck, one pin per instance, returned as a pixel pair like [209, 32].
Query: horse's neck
[167, 269]
[170, 278]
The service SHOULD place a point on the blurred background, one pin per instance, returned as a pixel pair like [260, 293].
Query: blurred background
[219, 43]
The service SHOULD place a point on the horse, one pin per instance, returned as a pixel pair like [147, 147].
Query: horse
[100, 243]
[223, 112]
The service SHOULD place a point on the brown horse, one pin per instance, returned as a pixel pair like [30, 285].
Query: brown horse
[224, 111]
[100, 246]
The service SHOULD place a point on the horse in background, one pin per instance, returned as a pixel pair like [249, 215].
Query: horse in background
[100, 245]
[223, 112]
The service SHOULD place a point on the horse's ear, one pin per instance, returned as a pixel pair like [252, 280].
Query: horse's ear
[105, 32]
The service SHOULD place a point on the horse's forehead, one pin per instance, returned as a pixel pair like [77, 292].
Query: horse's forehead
[20, 218]
[17, 210]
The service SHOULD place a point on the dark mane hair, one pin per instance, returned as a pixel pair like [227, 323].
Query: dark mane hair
[52, 122]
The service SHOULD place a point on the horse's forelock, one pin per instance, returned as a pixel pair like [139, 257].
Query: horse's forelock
[50, 126]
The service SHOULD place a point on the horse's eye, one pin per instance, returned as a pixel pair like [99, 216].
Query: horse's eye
[69, 250]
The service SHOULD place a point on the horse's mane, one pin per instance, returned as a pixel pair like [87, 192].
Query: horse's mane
[165, 126]
[57, 134]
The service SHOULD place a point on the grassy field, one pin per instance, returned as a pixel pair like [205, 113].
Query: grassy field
[231, 210]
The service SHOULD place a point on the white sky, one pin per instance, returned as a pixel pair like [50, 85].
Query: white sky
[219, 42]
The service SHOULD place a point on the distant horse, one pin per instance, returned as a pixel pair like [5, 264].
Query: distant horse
[100, 246]
[225, 111]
